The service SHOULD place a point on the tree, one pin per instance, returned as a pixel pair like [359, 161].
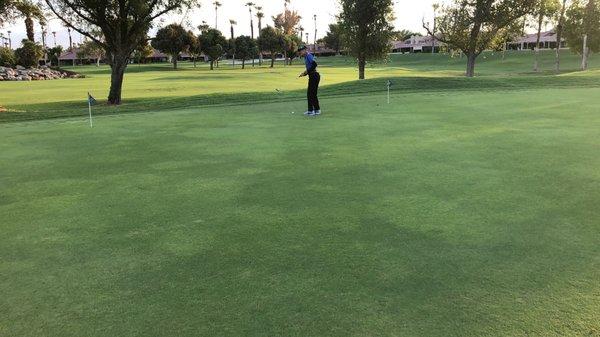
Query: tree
[195, 48]
[173, 40]
[7, 8]
[7, 57]
[474, 26]
[366, 29]
[213, 45]
[270, 40]
[232, 41]
[260, 16]
[544, 10]
[53, 55]
[287, 21]
[123, 23]
[143, 51]
[333, 39]
[559, 34]
[291, 44]
[217, 5]
[29, 54]
[90, 49]
[29, 11]
[582, 27]
[245, 48]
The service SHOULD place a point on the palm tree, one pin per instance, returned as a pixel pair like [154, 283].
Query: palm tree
[217, 5]
[54, 34]
[43, 24]
[29, 11]
[301, 31]
[259, 15]
[250, 5]
[232, 23]
[9, 40]
[70, 38]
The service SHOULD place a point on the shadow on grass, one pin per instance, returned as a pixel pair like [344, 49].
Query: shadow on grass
[372, 86]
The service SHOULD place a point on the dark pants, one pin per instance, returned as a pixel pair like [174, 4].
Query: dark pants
[313, 90]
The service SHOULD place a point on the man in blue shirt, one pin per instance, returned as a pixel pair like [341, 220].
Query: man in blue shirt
[314, 78]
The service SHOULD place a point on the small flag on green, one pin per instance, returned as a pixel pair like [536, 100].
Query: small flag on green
[91, 99]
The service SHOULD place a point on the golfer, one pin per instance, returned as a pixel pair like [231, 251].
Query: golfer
[314, 78]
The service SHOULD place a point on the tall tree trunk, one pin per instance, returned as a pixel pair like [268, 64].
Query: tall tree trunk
[585, 53]
[361, 67]
[98, 62]
[559, 31]
[212, 65]
[536, 63]
[471, 59]
[29, 29]
[174, 61]
[243, 63]
[118, 66]
[272, 60]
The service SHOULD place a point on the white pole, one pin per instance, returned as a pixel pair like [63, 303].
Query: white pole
[90, 109]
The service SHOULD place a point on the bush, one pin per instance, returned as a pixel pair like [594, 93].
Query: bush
[29, 54]
[7, 57]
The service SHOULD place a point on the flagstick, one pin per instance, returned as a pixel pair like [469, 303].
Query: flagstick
[90, 109]
[388, 94]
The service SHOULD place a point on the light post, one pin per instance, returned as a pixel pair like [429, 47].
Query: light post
[9, 40]
[54, 34]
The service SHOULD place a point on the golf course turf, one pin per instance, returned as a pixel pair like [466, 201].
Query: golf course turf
[466, 207]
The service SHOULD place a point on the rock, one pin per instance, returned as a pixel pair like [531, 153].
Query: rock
[35, 74]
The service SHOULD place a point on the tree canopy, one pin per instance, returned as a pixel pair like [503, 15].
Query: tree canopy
[173, 40]
[245, 48]
[334, 37]
[367, 29]
[213, 44]
[287, 21]
[270, 40]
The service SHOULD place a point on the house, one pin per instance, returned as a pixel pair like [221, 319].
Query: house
[528, 42]
[321, 50]
[73, 57]
[417, 44]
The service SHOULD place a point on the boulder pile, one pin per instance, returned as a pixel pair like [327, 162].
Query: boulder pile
[35, 74]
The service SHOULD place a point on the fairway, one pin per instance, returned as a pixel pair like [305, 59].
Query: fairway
[466, 207]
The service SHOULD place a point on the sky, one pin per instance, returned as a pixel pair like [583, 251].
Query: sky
[409, 15]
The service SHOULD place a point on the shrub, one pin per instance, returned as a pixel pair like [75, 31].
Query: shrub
[7, 57]
[29, 54]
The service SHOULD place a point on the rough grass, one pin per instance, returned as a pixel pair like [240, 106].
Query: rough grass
[468, 212]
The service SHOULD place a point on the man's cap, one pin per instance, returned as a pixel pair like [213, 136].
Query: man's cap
[301, 48]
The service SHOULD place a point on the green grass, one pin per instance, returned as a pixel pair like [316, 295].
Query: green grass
[159, 87]
[464, 208]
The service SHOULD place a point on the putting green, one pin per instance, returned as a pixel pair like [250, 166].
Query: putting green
[447, 213]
